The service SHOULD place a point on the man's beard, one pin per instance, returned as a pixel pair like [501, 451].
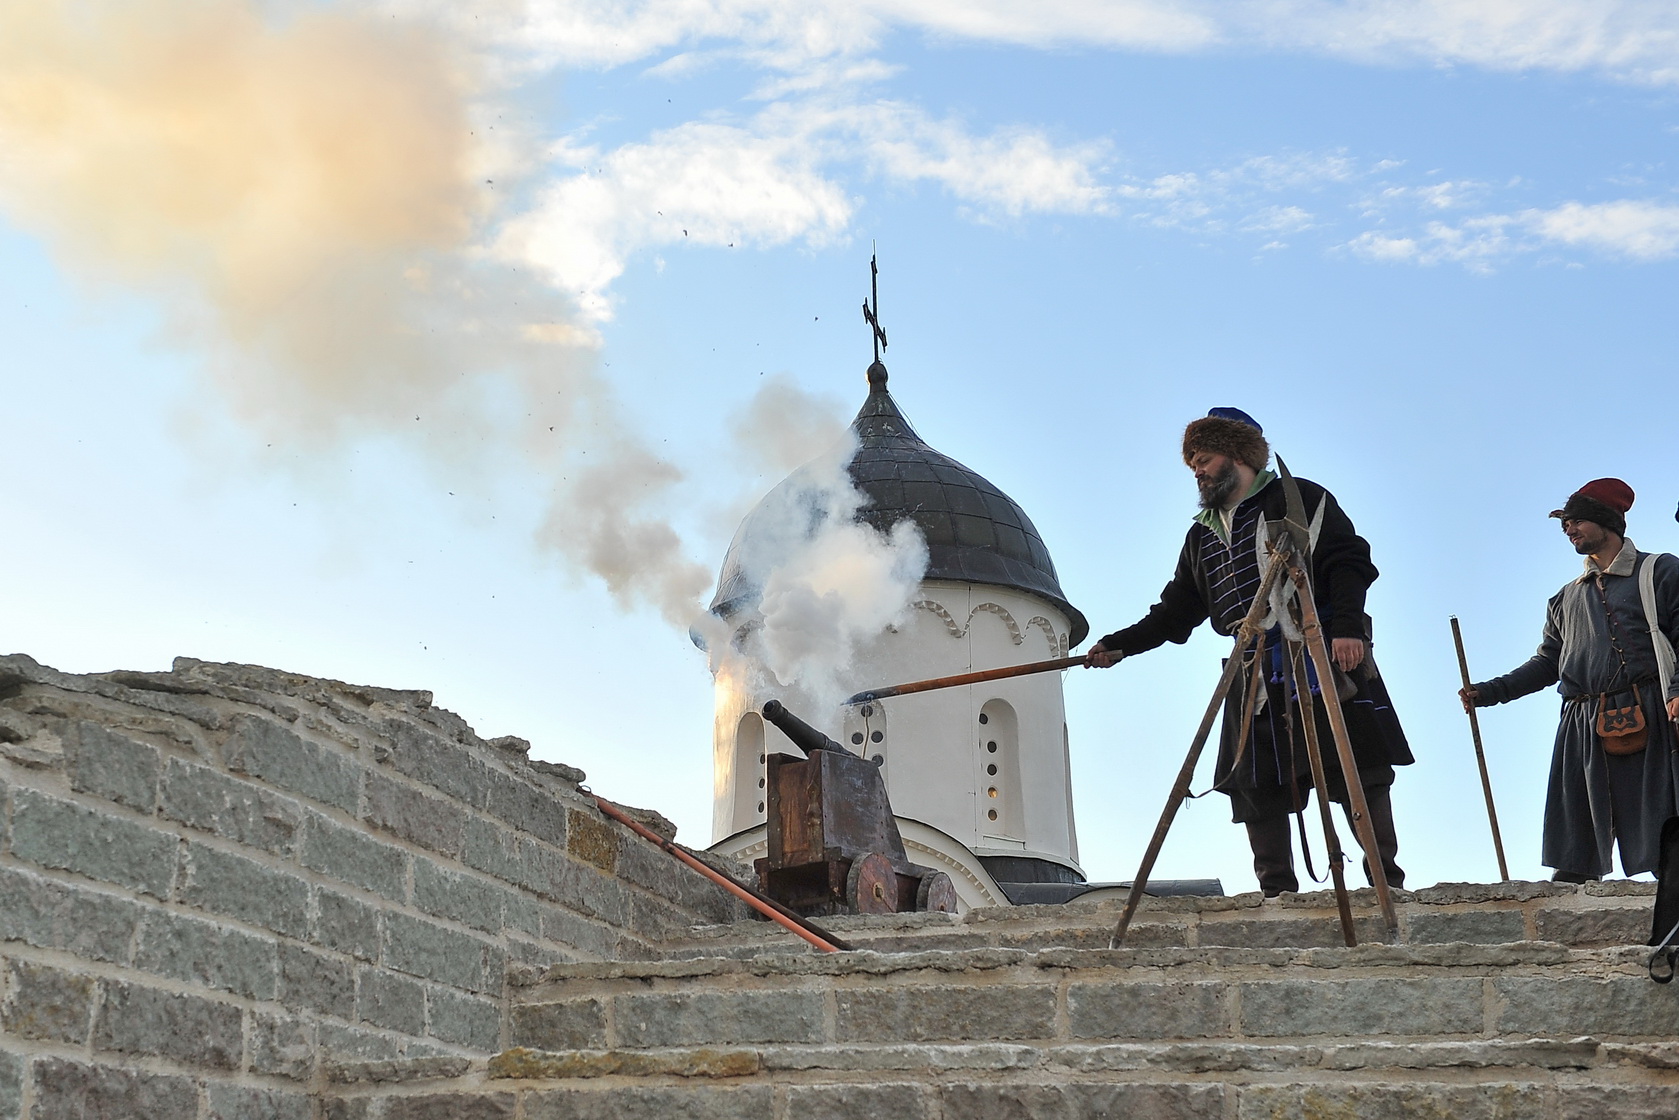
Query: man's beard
[1217, 491]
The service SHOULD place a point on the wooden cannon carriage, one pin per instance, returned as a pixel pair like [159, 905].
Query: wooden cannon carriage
[834, 846]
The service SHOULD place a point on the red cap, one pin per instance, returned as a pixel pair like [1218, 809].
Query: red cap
[1611, 492]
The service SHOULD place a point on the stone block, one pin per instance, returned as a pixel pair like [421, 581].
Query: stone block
[463, 1019]
[282, 1045]
[277, 755]
[206, 799]
[583, 888]
[354, 858]
[14, 1069]
[345, 924]
[1086, 1101]
[492, 849]
[592, 839]
[240, 1102]
[199, 952]
[1617, 1007]
[357, 1108]
[1481, 927]
[754, 1102]
[312, 981]
[1287, 933]
[583, 934]
[1410, 1006]
[467, 899]
[860, 1102]
[145, 1021]
[440, 763]
[1619, 925]
[357, 1044]
[112, 766]
[1502, 1100]
[433, 823]
[712, 1018]
[674, 882]
[50, 914]
[1622, 1102]
[67, 1090]
[526, 807]
[67, 836]
[388, 1000]
[1149, 1011]
[433, 952]
[451, 1106]
[45, 1003]
[927, 1014]
[571, 1024]
[223, 883]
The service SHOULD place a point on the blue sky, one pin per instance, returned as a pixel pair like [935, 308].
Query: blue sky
[313, 340]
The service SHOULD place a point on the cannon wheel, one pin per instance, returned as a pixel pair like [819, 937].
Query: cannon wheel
[936, 892]
[871, 886]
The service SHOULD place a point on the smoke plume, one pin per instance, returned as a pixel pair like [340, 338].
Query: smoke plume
[311, 196]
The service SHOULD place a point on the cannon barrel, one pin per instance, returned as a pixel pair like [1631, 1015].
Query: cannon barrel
[806, 737]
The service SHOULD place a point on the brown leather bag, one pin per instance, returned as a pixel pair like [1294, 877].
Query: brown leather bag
[1621, 730]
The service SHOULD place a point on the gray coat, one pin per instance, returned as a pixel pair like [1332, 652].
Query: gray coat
[1576, 654]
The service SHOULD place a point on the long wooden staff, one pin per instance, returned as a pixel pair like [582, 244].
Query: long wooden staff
[966, 678]
[1312, 628]
[1480, 755]
[1246, 634]
[1320, 783]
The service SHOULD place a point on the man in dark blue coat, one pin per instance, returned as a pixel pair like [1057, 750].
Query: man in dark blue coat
[1219, 571]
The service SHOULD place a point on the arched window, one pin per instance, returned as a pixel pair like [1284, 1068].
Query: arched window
[749, 769]
[1001, 812]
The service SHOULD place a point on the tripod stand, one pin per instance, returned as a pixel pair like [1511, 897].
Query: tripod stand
[1287, 559]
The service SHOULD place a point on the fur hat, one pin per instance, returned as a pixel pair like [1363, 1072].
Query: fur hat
[1228, 431]
[1602, 500]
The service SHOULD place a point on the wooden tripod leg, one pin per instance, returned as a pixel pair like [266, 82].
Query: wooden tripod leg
[1246, 634]
[1314, 755]
[1319, 650]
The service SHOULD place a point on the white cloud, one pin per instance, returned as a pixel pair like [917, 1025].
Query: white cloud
[1639, 230]
[1634, 40]
[772, 180]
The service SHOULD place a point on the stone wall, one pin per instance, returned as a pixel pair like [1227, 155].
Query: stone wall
[217, 883]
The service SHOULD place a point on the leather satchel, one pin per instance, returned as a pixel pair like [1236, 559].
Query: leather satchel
[1621, 730]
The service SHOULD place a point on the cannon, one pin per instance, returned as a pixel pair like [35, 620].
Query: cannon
[834, 846]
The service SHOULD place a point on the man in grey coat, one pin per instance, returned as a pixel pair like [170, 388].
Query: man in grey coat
[1600, 647]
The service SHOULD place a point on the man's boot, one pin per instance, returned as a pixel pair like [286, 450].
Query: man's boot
[1273, 855]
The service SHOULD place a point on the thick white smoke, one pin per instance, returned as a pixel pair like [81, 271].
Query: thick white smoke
[311, 196]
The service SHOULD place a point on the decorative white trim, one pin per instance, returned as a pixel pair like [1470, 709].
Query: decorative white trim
[1058, 644]
[941, 614]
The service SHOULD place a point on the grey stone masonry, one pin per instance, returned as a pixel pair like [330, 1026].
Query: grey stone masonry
[219, 882]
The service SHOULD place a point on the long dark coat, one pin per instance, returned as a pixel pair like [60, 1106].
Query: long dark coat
[1216, 580]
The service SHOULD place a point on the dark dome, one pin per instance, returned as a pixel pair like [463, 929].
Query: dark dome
[975, 532]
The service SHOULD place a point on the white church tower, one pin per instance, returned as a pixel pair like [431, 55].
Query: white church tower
[978, 775]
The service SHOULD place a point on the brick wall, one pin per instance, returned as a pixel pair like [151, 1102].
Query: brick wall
[218, 881]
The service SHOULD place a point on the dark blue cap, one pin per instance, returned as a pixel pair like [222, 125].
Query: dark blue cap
[1242, 417]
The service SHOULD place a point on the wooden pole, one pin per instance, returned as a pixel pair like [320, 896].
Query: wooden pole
[1319, 649]
[768, 907]
[966, 678]
[1480, 755]
[1320, 784]
[1246, 634]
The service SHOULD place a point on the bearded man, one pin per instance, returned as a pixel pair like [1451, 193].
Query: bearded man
[1268, 776]
[1608, 646]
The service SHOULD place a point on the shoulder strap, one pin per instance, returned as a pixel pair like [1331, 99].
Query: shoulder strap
[1647, 592]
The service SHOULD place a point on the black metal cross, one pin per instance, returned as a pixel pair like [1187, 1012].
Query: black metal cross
[871, 315]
